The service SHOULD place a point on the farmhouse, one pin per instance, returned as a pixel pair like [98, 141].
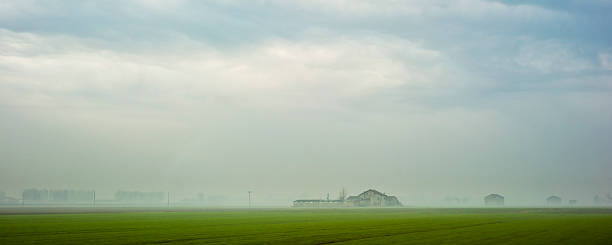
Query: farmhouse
[372, 198]
[553, 200]
[369, 198]
[494, 200]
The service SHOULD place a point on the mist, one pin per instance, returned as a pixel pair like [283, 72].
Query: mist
[427, 101]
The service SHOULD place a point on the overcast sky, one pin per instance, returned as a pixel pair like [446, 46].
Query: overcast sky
[295, 99]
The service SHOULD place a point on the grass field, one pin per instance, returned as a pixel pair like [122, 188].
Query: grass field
[309, 226]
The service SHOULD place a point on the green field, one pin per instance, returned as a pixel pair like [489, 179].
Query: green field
[308, 226]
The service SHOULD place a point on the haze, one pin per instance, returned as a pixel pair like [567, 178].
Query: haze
[296, 99]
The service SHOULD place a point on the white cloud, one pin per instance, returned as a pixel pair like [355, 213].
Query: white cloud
[38, 69]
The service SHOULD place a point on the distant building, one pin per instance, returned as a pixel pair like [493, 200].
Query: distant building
[606, 200]
[9, 201]
[369, 198]
[318, 203]
[373, 198]
[35, 195]
[494, 200]
[553, 200]
[56, 196]
[573, 202]
[6, 200]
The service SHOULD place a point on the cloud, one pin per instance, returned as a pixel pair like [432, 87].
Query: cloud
[463, 9]
[274, 72]
[10, 10]
[548, 56]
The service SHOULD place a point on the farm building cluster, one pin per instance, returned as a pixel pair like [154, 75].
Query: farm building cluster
[369, 198]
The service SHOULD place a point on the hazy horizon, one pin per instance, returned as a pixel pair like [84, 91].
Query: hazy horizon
[296, 99]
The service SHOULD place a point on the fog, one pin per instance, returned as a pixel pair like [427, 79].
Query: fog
[424, 100]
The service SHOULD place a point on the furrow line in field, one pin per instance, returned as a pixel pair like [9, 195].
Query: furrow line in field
[411, 232]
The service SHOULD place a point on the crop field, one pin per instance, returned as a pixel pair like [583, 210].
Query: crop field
[306, 226]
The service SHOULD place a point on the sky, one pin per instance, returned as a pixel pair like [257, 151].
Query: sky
[296, 99]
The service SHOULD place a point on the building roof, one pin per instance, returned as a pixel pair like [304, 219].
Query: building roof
[494, 196]
[375, 192]
[553, 198]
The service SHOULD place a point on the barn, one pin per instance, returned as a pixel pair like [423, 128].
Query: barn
[494, 200]
[373, 198]
[369, 198]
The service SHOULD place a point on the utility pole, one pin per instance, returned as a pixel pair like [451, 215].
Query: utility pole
[94, 199]
[250, 199]
[168, 199]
